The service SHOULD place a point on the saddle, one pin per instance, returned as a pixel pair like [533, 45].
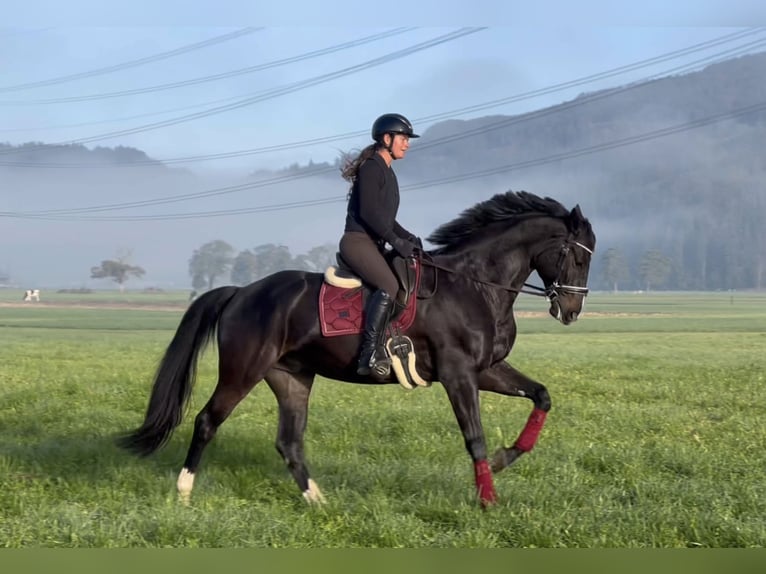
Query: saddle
[342, 300]
[406, 270]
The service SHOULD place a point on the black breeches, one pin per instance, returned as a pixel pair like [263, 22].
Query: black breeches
[362, 254]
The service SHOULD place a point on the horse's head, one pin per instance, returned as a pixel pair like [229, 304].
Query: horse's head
[559, 243]
[563, 267]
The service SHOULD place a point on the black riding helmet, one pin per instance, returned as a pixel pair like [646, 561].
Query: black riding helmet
[391, 124]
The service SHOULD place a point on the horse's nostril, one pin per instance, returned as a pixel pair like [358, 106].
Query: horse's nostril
[573, 316]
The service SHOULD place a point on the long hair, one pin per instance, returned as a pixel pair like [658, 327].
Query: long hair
[350, 166]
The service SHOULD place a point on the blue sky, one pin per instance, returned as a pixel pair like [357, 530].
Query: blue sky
[524, 49]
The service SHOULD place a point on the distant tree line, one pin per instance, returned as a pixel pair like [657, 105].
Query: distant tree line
[217, 261]
[653, 270]
[32, 153]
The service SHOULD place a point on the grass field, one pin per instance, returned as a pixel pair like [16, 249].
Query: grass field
[656, 437]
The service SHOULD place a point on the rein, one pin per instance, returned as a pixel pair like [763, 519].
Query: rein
[538, 291]
[550, 292]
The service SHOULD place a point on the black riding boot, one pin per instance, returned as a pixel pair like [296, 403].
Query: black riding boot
[378, 312]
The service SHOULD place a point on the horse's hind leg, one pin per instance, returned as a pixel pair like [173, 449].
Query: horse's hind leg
[235, 380]
[502, 378]
[292, 391]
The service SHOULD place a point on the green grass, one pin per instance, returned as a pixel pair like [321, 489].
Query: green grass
[107, 296]
[656, 439]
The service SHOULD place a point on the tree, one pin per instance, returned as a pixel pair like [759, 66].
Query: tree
[209, 262]
[271, 258]
[118, 270]
[654, 269]
[198, 282]
[317, 259]
[244, 268]
[614, 268]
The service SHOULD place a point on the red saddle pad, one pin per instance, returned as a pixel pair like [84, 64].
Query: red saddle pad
[341, 311]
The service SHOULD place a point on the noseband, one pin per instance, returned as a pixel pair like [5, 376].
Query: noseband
[555, 289]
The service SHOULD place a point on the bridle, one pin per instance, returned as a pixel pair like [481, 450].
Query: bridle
[557, 288]
[551, 292]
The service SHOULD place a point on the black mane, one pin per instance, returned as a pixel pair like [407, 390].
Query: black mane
[511, 206]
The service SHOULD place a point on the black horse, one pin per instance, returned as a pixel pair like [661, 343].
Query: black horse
[462, 334]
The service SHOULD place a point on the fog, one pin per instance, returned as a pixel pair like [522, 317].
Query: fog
[59, 254]
[695, 194]
[53, 253]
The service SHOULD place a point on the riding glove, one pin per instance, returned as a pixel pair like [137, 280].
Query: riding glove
[403, 247]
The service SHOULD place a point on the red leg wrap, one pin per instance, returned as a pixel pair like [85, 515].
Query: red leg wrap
[528, 436]
[484, 485]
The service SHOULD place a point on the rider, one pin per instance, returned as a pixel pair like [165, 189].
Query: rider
[371, 223]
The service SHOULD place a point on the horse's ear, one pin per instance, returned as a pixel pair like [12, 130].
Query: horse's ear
[575, 218]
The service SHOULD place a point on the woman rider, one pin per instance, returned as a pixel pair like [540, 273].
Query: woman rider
[371, 223]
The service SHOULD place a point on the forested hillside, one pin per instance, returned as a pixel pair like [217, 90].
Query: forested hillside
[673, 167]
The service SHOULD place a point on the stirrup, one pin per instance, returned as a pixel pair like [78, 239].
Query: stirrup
[381, 367]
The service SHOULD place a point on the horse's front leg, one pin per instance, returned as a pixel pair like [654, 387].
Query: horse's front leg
[463, 393]
[502, 378]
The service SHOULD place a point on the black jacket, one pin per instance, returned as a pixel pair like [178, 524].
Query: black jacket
[374, 203]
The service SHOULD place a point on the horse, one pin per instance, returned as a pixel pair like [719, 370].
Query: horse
[462, 333]
[32, 295]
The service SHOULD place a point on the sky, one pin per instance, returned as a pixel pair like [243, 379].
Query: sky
[186, 80]
[295, 97]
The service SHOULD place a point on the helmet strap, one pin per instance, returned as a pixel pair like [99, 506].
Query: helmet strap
[390, 146]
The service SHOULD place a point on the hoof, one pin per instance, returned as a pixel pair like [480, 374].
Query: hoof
[184, 484]
[504, 457]
[313, 495]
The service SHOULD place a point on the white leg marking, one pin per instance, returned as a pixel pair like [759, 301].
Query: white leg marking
[184, 484]
[312, 494]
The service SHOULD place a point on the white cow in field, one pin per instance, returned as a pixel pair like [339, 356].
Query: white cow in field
[32, 295]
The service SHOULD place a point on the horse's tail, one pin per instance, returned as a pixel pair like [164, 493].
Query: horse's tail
[175, 375]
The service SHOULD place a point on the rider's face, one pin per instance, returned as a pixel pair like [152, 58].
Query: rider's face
[400, 146]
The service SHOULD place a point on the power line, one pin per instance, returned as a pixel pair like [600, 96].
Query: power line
[587, 99]
[739, 50]
[273, 93]
[127, 118]
[71, 214]
[185, 197]
[24, 31]
[607, 146]
[220, 76]
[133, 63]
[292, 177]
[285, 178]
